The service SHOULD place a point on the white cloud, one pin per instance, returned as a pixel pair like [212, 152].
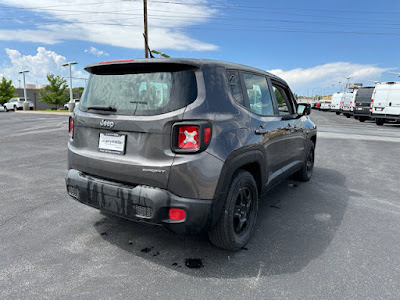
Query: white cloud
[39, 65]
[96, 52]
[81, 21]
[323, 76]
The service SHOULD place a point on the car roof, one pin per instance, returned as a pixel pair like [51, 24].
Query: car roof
[193, 62]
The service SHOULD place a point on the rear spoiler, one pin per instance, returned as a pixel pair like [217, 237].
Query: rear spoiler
[142, 66]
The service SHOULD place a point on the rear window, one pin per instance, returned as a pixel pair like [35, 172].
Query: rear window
[140, 94]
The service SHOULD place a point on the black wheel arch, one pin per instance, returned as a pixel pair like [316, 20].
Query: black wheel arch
[252, 161]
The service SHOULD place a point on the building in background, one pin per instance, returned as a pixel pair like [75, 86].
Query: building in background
[33, 94]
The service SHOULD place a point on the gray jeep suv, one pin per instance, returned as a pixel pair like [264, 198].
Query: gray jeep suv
[188, 144]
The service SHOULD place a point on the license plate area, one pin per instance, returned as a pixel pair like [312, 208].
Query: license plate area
[112, 143]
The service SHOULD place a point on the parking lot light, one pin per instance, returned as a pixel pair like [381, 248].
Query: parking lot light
[26, 103]
[71, 103]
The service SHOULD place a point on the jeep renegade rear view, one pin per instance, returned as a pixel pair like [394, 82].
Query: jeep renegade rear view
[187, 144]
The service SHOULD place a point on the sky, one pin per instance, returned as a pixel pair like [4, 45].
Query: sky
[312, 44]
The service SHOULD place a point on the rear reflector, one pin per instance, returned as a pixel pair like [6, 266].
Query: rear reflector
[116, 61]
[177, 214]
[188, 137]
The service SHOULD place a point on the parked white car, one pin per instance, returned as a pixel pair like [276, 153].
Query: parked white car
[385, 102]
[325, 105]
[76, 101]
[336, 102]
[17, 104]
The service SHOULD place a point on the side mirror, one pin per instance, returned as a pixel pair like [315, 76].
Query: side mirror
[303, 109]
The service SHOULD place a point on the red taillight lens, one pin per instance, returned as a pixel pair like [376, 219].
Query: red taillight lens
[191, 137]
[177, 214]
[188, 137]
[71, 127]
[372, 102]
[207, 134]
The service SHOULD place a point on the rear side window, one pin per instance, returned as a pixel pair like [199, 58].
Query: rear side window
[260, 100]
[234, 82]
[140, 94]
[283, 99]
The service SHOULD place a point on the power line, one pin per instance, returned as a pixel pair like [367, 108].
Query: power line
[276, 8]
[270, 29]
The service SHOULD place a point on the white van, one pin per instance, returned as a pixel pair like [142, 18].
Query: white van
[348, 104]
[336, 101]
[385, 102]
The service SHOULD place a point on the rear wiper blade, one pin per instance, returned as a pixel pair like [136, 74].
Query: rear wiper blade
[139, 102]
[105, 108]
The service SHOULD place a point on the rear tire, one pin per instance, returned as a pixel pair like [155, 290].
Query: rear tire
[15, 108]
[239, 214]
[305, 173]
[347, 116]
[5, 108]
[338, 113]
[379, 122]
[362, 120]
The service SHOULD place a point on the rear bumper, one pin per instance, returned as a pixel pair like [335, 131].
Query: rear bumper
[139, 203]
[385, 116]
[364, 112]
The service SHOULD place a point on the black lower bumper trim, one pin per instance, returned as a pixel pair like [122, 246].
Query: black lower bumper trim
[139, 203]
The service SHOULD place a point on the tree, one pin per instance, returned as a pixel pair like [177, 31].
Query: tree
[7, 91]
[53, 93]
[78, 90]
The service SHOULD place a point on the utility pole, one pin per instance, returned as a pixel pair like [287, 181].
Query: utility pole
[146, 53]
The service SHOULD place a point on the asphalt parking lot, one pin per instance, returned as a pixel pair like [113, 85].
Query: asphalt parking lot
[335, 237]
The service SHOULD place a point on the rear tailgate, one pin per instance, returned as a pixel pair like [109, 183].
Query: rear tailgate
[122, 127]
[145, 158]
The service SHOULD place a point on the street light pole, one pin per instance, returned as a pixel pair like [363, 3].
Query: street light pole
[146, 52]
[26, 103]
[71, 104]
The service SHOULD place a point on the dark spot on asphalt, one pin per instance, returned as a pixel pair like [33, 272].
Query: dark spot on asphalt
[292, 185]
[156, 254]
[175, 264]
[103, 233]
[130, 242]
[275, 205]
[147, 249]
[194, 263]
[244, 248]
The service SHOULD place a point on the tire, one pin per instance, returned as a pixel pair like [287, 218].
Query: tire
[305, 173]
[5, 108]
[361, 119]
[338, 113]
[347, 116]
[30, 108]
[379, 122]
[15, 108]
[239, 214]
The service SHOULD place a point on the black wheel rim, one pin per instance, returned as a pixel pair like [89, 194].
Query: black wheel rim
[310, 162]
[243, 208]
